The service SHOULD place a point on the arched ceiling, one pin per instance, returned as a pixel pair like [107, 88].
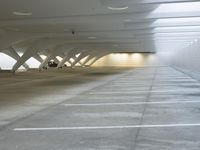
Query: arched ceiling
[109, 25]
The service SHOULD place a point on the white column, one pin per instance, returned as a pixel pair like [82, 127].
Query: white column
[12, 53]
[45, 62]
[62, 62]
[81, 56]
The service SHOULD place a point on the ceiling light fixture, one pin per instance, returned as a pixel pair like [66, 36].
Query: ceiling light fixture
[118, 8]
[92, 37]
[128, 20]
[21, 13]
[13, 29]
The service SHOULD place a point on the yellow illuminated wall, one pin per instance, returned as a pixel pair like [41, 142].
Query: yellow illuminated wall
[128, 59]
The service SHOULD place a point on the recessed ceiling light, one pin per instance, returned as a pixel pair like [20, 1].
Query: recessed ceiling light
[118, 8]
[115, 45]
[22, 13]
[128, 20]
[13, 29]
[92, 37]
[66, 30]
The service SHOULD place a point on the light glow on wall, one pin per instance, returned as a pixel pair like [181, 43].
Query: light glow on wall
[137, 56]
[127, 60]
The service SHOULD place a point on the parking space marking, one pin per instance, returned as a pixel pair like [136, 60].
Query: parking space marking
[145, 91]
[109, 127]
[134, 103]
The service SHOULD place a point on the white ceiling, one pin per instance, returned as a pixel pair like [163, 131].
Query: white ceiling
[131, 30]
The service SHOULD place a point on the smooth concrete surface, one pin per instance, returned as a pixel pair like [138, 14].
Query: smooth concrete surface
[26, 92]
[149, 108]
[192, 74]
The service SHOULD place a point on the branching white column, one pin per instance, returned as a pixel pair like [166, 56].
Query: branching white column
[56, 60]
[30, 52]
[45, 62]
[70, 54]
[96, 59]
[88, 59]
[81, 56]
[70, 62]
[65, 58]
[38, 58]
[12, 53]
[62, 62]
[27, 54]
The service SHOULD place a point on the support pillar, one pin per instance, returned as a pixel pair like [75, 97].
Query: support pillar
[22, 60]
[62, 62]
[12, 53]
[27, 54]
[45, 62]
[81, 56]
[38, 58]
[96, 59]
[87, 59]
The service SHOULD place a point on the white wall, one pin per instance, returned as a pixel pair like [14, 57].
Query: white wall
[185, 57]
[129, 60]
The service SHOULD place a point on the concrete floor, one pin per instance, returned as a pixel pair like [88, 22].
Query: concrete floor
[151, 108]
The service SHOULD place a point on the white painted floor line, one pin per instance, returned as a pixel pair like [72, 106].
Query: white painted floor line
[134, 103]
[146, 91]
[109, 127]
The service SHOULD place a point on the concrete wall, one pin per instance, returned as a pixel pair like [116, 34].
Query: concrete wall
[129, 60]
[186, 57]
